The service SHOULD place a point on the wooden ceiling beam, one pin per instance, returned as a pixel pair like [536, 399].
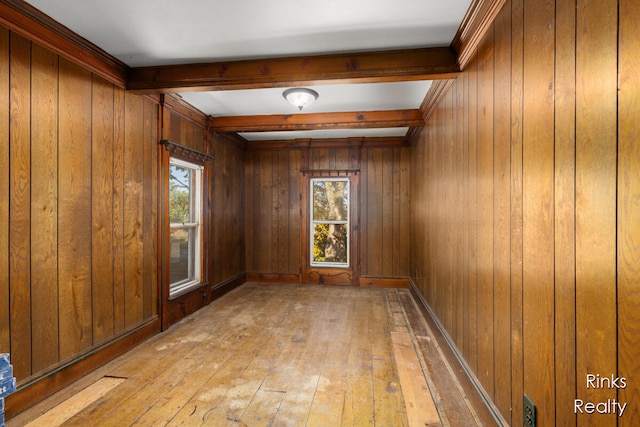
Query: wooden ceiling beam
[312, 121]
[293, 144]
[363, 67]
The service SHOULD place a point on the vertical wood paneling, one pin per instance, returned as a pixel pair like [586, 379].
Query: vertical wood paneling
[280, 217]
[273, 240]
[74, 210]
[5, 337]
[262, 233]
[551, 191]
[386, 210]
[485, 215]
[538, 214]
[596, 132]
[403, 235]
[44, 208]
[102, 209]
[62, 242]
[118, 210]
[629, 210]
[517, 90]
[458, 268]
[294, 212]
[502, 211]
[472, 105]
[133, 208]
[564, 193]
[150, 210]
[19, 202]
[374, 230]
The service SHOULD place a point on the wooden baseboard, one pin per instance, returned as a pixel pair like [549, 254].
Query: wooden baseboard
[273, 278]
[478, 396]
[385, 282]
[38, 389]
[222, 288]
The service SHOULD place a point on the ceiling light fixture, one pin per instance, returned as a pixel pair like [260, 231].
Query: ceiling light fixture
[300, 97]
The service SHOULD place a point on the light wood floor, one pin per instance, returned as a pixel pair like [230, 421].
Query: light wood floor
[266, 355]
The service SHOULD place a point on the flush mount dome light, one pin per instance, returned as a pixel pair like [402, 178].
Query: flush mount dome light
[300, 97]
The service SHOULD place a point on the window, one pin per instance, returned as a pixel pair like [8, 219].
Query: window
[329, 222]
[185, 216]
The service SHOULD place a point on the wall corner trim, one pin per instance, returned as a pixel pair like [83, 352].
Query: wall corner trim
[479, 17]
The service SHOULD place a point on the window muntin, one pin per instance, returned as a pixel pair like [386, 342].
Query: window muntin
[185, 233]
[329, 222]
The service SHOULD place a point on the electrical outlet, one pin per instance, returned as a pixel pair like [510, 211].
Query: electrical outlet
[529, 412]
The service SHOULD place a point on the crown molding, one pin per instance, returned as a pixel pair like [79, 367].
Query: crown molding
[478, 19]
[29, 22]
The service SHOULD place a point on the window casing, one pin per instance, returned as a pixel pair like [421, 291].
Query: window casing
[185, 229]
[329, 222]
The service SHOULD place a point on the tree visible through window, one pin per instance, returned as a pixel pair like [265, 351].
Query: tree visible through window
[330, 222]
[185, 211]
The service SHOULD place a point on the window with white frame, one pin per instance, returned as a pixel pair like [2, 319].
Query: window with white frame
[329, 222]
[185, 216]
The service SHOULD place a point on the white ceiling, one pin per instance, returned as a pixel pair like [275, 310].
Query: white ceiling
[162, 32]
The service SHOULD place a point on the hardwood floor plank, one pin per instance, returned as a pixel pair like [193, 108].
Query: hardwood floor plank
[421, 410]
[268, 355]
[74, 404]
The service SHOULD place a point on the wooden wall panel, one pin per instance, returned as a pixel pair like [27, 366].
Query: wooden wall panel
[118, 210]
[44, 206]
[5, 335]
[538, 213]
[550, 178]
[74, 210]
[564, 198]
[516, 99]
[273, 240]
[70, 149]
[485, 215]
[19, 204]
[150, 210]
[502, 210]
[228, 252]
[629, 210]
[133, 205]
[102, 243]
[596, 151]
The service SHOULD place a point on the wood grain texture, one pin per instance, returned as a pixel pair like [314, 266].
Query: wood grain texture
[119, 133]
[629, 209]
[102, 290]
[544, 205]
[5, 335]
[62, 243]
[133, 208]
[502, 210]
[74, 210]
[421, 411]
[596, 151]
[20, 205]
[364, 67]
[516, 302]
[44, 206]
[538, 212]
[150, 210]
[290, 355]
[564, 200]
[486, 230]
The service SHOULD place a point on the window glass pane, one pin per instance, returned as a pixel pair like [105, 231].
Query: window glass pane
[330, 243]
[180, 194]
[330, 200]
[179, 269]
[185, 194]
